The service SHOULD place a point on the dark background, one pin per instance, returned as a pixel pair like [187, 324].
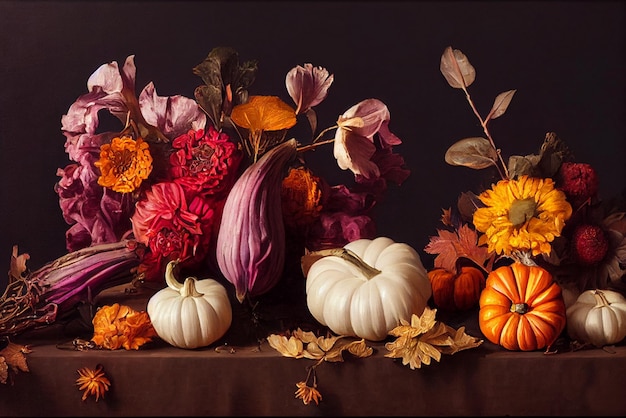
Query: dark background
[566, 60]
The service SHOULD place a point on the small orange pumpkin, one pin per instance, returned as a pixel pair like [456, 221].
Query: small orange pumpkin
[521, 308]
[456, 292]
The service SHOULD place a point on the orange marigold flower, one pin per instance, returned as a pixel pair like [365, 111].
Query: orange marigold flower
[301, 195]
[118, 326]
[124, 164]
[261, 114]
[93, 382]
[308, 393]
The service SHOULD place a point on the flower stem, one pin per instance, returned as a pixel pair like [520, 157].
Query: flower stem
[314, 145]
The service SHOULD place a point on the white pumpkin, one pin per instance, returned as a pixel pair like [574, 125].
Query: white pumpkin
[597, 317]
[190, 315]
[364, 289]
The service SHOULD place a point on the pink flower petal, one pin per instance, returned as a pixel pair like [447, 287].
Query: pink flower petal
[308, 86]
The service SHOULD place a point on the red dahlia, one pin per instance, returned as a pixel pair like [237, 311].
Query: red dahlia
[589, 244]
[579, 181]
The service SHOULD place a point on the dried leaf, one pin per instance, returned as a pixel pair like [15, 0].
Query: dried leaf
[461, 341]
[426, 339]
[12, 359]
[467, 203]
[360, 349]
[451, 245]
[475, 152]
[456, 68]
[519, 166]
[500, 104]
[288, 347]
[317, 348]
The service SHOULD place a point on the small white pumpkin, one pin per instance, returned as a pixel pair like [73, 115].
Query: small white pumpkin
[190, 315]
[597, 317]
[364, 289]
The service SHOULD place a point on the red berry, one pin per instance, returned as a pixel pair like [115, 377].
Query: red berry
[589, 244]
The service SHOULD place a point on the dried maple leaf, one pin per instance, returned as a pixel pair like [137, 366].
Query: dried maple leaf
[12, 359]
[425, 339]
[450, 245]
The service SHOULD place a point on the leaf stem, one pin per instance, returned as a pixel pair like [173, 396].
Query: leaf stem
[504, 173]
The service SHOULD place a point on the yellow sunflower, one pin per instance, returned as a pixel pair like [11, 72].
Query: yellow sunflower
[522, 215]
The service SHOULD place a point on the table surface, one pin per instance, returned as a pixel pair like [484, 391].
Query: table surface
[161, 380]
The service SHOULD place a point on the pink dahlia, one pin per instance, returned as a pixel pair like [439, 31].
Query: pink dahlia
[172, 228]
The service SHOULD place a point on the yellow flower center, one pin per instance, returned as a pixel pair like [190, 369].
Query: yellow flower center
[521, 211]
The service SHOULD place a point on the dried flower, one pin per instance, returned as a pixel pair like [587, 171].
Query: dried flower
[425, 338]
[205, 162]
[124, 164]
[263, 114]
[172, 227]
[589, 243]
[308, 86]
[308, 393]
[305, 344]
[93, 382]
[301, 198]
[521, 215]
[579, 181]
[97, 214]
[354, 140]
[119, 326]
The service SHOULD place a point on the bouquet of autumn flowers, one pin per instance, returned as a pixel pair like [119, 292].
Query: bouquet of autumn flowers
[542, 210]
[212, 181]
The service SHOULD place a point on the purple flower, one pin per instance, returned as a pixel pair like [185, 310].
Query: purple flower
[99, 215]
[308, 86]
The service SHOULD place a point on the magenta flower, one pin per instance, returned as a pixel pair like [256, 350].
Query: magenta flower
[95, 214]
[354, 143]
[308, 86]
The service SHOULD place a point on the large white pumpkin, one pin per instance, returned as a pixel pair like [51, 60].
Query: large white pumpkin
[190, 315]
[366, 288]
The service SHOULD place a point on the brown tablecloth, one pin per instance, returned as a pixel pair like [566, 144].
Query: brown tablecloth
[160, 380]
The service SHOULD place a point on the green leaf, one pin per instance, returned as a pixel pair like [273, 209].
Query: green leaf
[475, 152]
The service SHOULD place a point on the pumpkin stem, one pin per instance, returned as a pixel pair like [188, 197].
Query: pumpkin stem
[189, 288]
[186, 289]
[350, 256]
[170, 279]
[520, 308]
[600, 299]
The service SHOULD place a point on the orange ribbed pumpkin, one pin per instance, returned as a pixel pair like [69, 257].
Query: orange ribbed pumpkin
[456, 292]
[521, 308]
